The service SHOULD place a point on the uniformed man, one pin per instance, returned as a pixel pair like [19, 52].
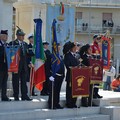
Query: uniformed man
[31, 54]
[23, 69]
[96, 51]
[58, 80]
[70, 61]
[3, 65]
[45, 90]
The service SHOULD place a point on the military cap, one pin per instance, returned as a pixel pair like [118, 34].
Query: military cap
[20, 32]
[96, 36]
[45, 43]
[4, 32]
[79, 44]
[30, 36]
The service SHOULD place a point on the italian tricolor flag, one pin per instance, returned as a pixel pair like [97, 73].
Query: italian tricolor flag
[38, 75]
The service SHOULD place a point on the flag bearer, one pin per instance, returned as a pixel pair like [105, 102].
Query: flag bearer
[23, 69]
[58, 80]
[29, 60]
[45, 90]
[96, 51]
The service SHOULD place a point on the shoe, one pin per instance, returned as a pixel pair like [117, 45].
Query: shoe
[98, 96]
[34, 94]
[44, 94]
[54, 108]
[74, 106]
[94, 96]
[59, 107]
[6, 99]
[71, 106]
[26, 98]
[85, 105]
[16, 98]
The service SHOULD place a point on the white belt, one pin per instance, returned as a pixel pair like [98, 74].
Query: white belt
[59, 74]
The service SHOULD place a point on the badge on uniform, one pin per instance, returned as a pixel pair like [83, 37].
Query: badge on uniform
[13, 58]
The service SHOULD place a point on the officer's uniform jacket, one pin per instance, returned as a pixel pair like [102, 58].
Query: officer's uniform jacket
[70, 61]
[3, 59]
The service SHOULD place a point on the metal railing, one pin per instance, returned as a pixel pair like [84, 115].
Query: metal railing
[79, 29]
[98, 2]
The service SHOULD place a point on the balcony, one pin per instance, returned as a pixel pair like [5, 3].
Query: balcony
[110, 3]
[79, 29]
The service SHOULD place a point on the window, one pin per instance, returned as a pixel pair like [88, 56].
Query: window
[107, 20]
[78, 18]
[107, 16]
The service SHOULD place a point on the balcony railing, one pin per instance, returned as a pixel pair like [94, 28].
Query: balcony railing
[79, 29]
[93, 2]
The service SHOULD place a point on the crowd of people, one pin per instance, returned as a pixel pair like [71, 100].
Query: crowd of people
[74, 54]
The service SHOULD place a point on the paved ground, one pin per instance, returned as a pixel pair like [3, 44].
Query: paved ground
[105, 94]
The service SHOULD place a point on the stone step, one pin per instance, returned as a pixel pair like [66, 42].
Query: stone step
[85, 117]
[112, 111]
[22, 105]
[43, 114]
[107, 102]
[38, 102]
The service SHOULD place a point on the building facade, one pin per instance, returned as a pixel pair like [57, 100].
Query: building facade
[97, 17]
[6, 16]
[92, 17]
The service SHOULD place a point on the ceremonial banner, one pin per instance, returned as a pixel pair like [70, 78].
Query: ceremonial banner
[80, 81]
[106, 52]
[64, 15]
[97, 71]
[13, 58]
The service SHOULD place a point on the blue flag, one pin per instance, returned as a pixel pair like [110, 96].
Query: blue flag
[55, 53]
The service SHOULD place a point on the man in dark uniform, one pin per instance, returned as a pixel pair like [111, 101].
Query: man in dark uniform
[3, 65]
[70, 61]
[58, 80]
[45, 90]
[29, 60]
[23, 69]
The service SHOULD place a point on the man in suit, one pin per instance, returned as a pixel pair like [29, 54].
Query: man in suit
[70, 61]
[23, 69]
[3, 65]
[45, 90]
[29, 60]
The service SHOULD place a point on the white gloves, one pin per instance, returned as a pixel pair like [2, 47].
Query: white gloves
[51, 78]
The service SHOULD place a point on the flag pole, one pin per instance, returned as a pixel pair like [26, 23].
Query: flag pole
[52, 94]
[92, 94]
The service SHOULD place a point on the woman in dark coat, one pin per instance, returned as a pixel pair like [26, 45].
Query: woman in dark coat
[85, 54]
[70, 60]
